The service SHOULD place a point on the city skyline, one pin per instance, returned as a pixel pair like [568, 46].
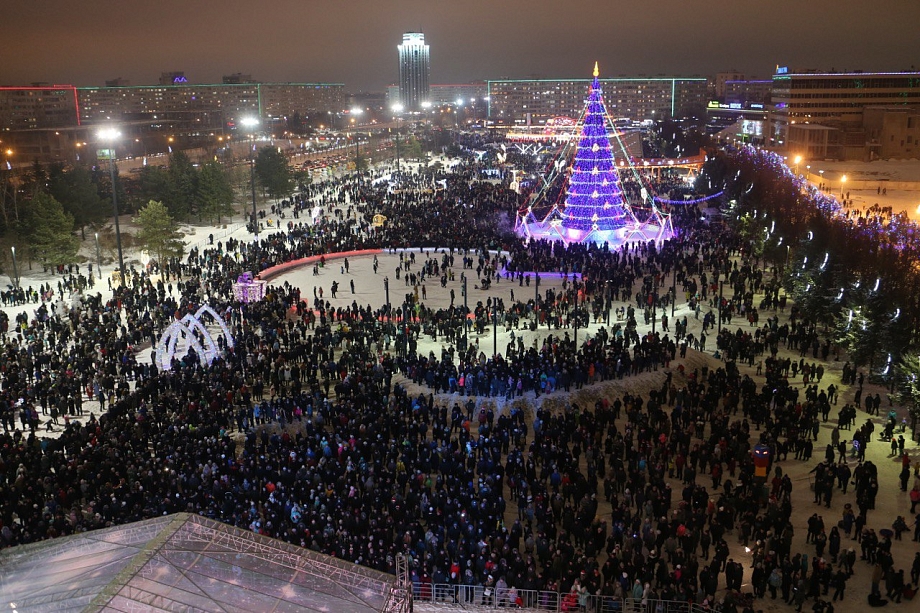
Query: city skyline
[61, 42]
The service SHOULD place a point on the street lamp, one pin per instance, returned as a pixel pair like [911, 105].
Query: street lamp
[798, 160]
[494, 328]
[356, 112]
[15, 268]
[397, 109]
[251, 123]
[111, 136]
[98, 259]
[843, 181]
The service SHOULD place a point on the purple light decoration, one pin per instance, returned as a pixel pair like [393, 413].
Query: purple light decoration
[697, 201]
[246, 289]
[594, 201]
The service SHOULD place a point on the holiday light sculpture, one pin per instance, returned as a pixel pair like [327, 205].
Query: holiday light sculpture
[191, 334]
[246, 289]
[595, 209]
[594, 201]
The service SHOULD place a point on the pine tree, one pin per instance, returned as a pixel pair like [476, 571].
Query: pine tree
[159, 233]
[214, 192]
[51, 234]
[273, 172]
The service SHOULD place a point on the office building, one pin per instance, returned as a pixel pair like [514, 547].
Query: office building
[458, 93]
[207, 106]
[834, 101]
[414, 71]
[36, 107]
[47, 122]
[534, 101]
[892, 131]
[747, 91]
[721, 79]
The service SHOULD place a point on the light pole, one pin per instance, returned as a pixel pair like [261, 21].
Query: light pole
[575, 336]
[386, 289]
[674, 291]
[798, 160]
[466, 310]
[494, 328]
[251, 123]
[356, 112]
[98, 259]
[719, 310]
[15, 269]
[457, 112]
[110, 136]
[397, 109]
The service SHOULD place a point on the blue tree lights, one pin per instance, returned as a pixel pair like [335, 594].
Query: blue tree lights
[594, 201]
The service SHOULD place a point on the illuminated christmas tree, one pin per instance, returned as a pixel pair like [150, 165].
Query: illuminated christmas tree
[594, 200]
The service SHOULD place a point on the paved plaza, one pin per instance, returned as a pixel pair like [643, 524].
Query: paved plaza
[369, 290]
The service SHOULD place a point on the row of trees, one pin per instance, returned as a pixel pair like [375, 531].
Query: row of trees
[203, 193]
[42, 208]
[858, 279]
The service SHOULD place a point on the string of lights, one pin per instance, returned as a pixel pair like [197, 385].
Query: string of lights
[594, 200]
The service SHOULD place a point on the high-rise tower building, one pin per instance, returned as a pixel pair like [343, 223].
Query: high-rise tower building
[414, 71]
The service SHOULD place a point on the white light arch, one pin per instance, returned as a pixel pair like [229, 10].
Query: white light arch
[181, 336]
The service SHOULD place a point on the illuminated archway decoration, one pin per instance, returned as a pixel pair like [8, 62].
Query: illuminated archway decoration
[190, 333]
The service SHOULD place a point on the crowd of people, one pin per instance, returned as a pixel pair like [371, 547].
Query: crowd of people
[311, 430]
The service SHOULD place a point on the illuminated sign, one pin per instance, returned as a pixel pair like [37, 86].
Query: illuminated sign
[180, 79]
[782, 69]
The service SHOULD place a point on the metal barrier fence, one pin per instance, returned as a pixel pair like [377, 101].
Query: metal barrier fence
[537, 600]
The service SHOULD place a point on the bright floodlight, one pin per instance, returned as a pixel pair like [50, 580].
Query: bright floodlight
[109, 134]
[398, 108]
[426, 104]
[459, 101]
[249, 121]
[356, 111]
[798, 159]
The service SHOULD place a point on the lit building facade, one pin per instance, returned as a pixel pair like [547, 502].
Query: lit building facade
[414, 71]
[50, 123]
[534, 101]
[747, 91]
[452, 93]
[834, 99]
[207, 105]
[30, 108]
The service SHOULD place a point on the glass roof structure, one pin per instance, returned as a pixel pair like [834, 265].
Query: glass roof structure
[185, 563]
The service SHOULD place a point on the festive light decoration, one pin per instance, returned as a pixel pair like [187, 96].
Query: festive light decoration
[594, 201]
[596, 208]
[246, 289]
[718, 194]
[190, 334]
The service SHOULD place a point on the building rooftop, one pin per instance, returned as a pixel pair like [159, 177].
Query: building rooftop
[182, 562]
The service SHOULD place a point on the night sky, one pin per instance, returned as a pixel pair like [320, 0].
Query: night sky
[354, 41]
